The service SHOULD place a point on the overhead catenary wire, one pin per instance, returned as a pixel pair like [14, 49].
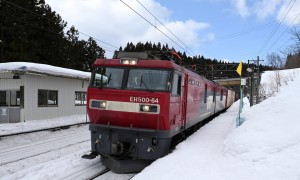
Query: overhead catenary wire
[165, 27]
[243, 32]
[152, 25]
[224, 37]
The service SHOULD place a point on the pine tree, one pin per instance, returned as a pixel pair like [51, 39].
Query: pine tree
[30, 32]
[93, 52]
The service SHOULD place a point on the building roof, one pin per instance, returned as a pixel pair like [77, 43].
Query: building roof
[35, 68]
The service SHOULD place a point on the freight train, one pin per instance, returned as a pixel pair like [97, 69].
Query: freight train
[142, 104]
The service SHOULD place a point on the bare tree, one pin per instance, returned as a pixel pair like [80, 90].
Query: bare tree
[293, 57]
[295, 31]
[275, 60]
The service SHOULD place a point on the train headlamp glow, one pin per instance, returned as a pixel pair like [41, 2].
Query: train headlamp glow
[148, 108]
[102, 104]
[98, 104]
[129, 61]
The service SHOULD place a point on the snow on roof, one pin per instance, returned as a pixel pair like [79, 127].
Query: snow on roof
[43, 69]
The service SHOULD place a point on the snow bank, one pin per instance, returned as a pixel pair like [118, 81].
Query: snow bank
[265, 146]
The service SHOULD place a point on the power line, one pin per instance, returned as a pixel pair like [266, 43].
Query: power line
[151, 24]
[283, 32]
[54, 21]
[246, 31]
[275, 29]
[284, 44]
[164, 26]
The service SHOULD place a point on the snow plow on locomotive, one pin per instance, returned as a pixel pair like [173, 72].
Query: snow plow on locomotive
[139, 106]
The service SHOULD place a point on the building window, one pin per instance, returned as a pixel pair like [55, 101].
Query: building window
[15, 98]
[80, 98]
[10, 98]
[47, 98]
[3, 101]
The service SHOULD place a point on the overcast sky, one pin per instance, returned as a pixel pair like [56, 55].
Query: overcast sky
[235, 30]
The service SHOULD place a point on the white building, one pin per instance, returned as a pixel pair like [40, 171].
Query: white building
[30, 91]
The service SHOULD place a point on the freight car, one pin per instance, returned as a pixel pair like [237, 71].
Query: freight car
[140, 105]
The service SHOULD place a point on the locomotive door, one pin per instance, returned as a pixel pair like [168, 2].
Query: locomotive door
[184, 100]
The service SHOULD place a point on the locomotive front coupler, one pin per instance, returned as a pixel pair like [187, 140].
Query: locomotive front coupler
[92, 155]
[119, 148]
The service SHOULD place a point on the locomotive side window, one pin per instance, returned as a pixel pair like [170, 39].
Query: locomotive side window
[214, 95]
[176, 88]
[107, 77]
[221, 97]
[148, 79]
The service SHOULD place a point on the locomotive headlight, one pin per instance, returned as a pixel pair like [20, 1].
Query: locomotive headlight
[146, 108]
[129, 61]
[102, 104]
[149, 108]
[98, 104]
[133, 62]
[125, 61]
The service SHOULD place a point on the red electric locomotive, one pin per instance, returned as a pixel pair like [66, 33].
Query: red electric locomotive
[139, 106]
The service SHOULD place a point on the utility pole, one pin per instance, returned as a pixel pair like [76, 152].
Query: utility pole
[250, 83]
[257, 78]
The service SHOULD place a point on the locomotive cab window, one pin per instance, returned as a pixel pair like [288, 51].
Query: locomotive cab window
[149, 79]
[106, 77]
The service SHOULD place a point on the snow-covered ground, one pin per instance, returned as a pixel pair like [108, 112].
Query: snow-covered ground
[265, 146]
[11, 128]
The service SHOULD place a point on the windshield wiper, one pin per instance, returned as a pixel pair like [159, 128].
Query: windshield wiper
[109, 78]
[143, 82]
[102, 83]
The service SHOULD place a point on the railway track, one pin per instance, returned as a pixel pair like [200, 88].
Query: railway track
[51, 155]
[43, 129]
[104, 171]
[108, 175]
[13, 154]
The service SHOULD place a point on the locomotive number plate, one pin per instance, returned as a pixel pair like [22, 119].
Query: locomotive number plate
[143, 99]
